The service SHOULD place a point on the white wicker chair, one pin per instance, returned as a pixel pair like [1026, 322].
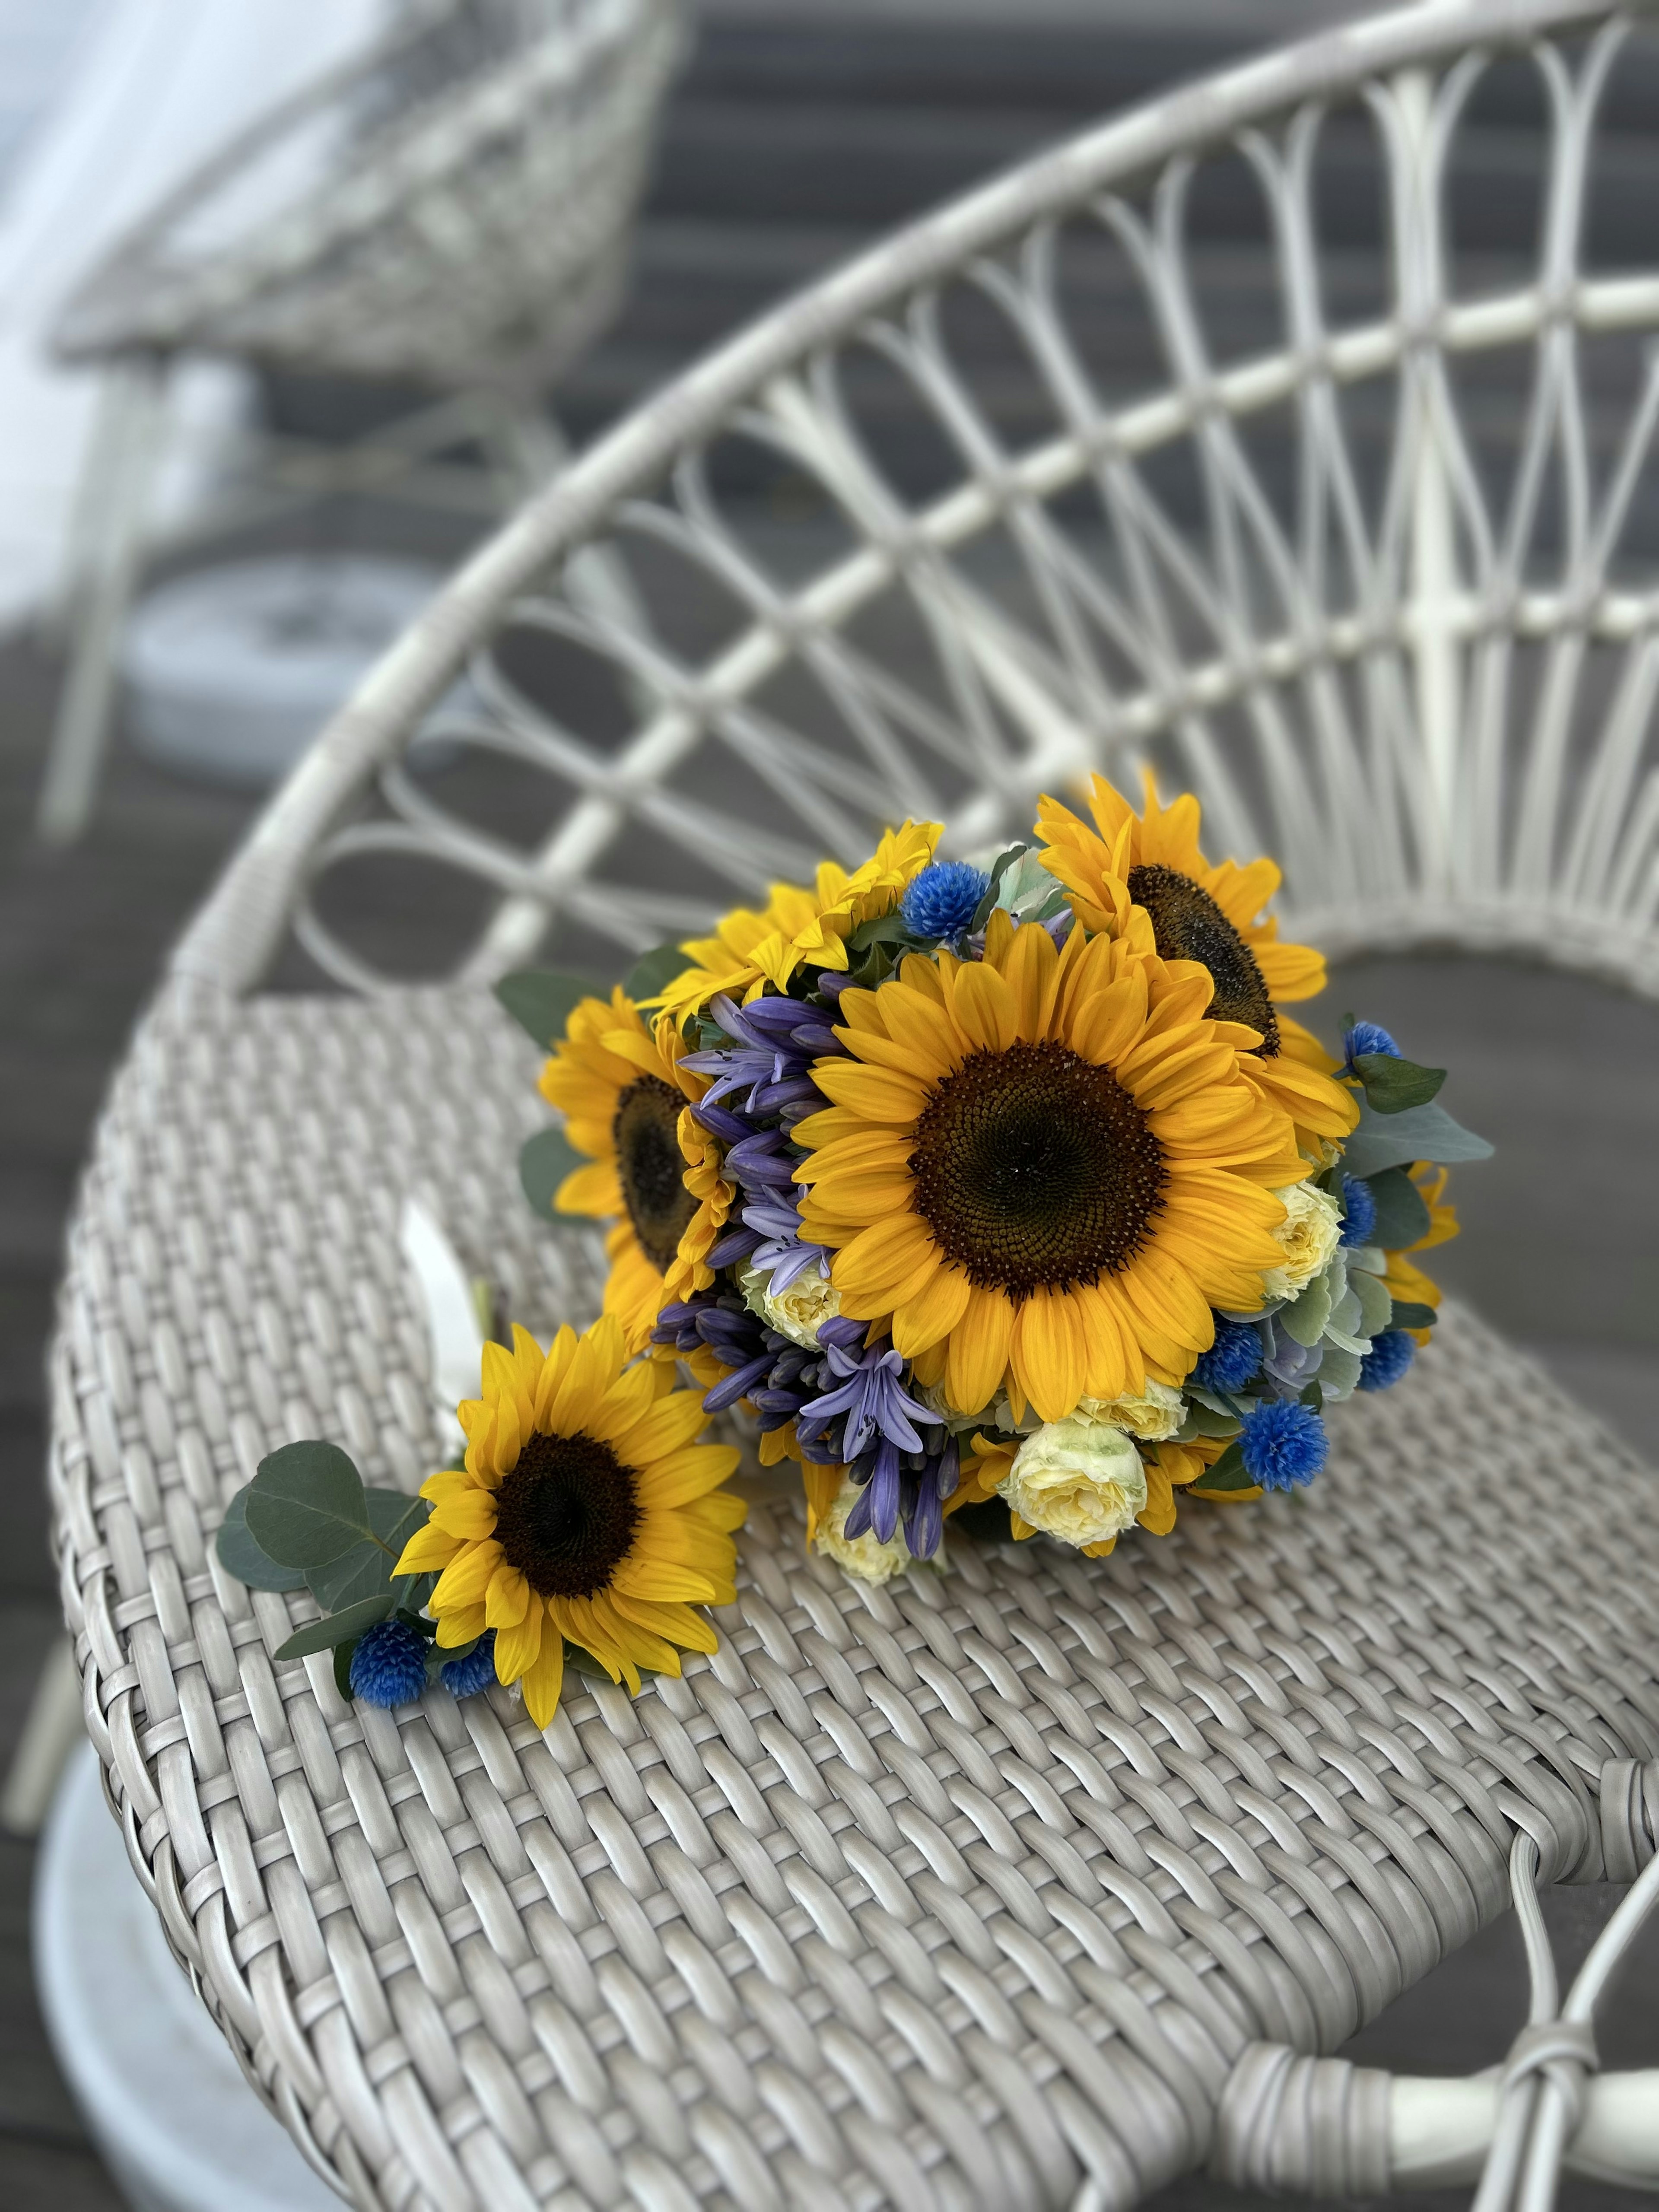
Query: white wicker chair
[1049, 1877]
[451, 210]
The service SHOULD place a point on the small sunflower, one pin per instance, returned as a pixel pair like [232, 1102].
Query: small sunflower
[586, 1511]
[1044, 1169]
[623, 1093]
[799, 927]
[1213, 916]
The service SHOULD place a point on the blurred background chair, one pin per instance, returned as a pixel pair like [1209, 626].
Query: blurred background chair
[1327, 530]
[449, 211]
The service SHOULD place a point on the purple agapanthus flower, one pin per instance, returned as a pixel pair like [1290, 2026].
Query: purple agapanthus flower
[868, 1393]
[775, 1041]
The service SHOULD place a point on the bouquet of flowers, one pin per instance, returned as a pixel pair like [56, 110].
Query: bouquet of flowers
[1009, 1189]
[1008, 1181]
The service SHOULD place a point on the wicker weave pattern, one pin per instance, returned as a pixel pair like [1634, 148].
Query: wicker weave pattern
[477, 235]
[944, 1895]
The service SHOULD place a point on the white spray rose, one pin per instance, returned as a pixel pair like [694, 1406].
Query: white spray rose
[866, 1557]
[1080, 1479]
[798, 1310]
[1158, 1412]
[1307, 1235]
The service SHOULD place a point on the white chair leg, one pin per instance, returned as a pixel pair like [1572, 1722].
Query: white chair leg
[119, 467]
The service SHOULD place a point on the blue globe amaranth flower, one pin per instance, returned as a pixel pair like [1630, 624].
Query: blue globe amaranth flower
[465, 1678]
[1360, 1224]
[388, 1666]
[1283, 1444]
[1368, 1036]
[942, 900]
[1232, 1359]
[1390, 1355]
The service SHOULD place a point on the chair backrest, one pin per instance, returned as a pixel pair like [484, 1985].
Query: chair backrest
[1289, 434]
[453, 206]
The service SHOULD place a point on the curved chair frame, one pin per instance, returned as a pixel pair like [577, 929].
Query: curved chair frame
[1051, 1877]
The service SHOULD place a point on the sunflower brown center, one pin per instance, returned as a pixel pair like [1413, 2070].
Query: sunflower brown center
[1188, 924]
[567, 1514]
[650, 1168]
[1035, 1169]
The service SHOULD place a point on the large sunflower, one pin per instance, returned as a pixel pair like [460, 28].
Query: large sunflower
[799, 927]
[623, 1093]
[1044, 1168]
[1214, 915]
[585, 1510]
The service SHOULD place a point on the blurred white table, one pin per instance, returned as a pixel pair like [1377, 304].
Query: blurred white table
[178, 2128]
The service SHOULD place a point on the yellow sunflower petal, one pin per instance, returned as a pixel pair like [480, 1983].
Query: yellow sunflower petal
[542, 1679]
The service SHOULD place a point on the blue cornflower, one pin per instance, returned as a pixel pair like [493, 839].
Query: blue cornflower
[1367, 1036]
[1360, 1224]
[388, 1666]
[1390, 1355]
[1232, 1359]
[942, 900]
[465, 1677]
[1283, 1444]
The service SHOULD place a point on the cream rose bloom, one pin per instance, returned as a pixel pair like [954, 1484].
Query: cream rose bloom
[866, 1557]
[797, 1311]
[1307, 1235]
[1158, 1412]
[1080, 1479]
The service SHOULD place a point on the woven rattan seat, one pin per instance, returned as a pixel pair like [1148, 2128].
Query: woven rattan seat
[983, 1889]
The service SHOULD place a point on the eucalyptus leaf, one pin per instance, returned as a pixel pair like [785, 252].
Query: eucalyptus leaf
[1338, 1372]
[541, 1001]
[1402, 1212]
[544, 1162]
[240, 1556]
[366, 1570]
[1305, 1318]
[1418, 1133]
[1392, 1083]
[1409, 1315]
[343, 1667]
[338, 1628]
[1313, 1395]
[1373, 1302]
[653, 971]
[305, 1506]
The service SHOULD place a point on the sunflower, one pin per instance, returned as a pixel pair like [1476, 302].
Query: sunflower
[1041, 1170]
[623, 1093]
[1214, 915]
[798, 928]
[586, 1511]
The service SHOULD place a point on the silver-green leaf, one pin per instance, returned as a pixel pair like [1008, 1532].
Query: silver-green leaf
[338, 1628]
[365, 1571]
[305, 1506]
[240, 1556]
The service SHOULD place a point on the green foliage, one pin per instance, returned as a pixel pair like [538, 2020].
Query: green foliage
[1313, 1394]
[366, 1570]
[1392, 1083]
[305, 1506]
[545, 1161]
[305, 1520]
[541, 1001]
[986, 906]
[1228, 1472]
[240, 1556]
[1402, 1212]
[654, 971]
[1409, 1315]
[1414, 1132]
[339, 1628]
